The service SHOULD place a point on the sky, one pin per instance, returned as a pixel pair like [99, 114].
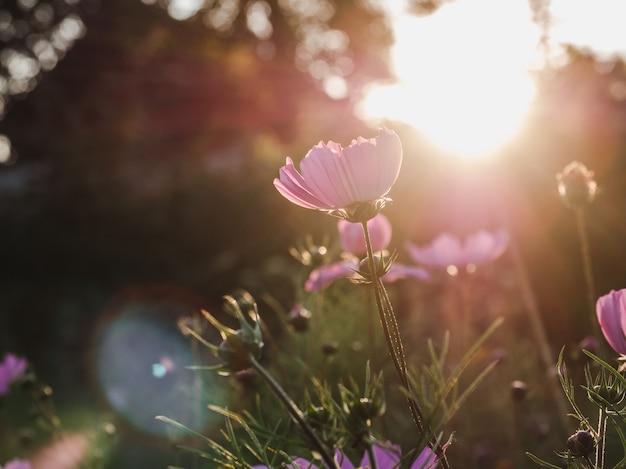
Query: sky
[464, 72]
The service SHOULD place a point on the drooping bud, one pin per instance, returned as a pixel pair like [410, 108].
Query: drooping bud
[576, 184]
[581, 443]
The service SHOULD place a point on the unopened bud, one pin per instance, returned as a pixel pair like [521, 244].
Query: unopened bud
[581, 443]
[519, 390]
[330, 348]
[576, 184]
[299, 318]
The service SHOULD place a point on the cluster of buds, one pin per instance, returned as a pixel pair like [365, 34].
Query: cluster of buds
[238, 346]
[607, 391]
[577, 186]
[360, 408]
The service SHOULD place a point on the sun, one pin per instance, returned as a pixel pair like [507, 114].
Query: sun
[463, 75]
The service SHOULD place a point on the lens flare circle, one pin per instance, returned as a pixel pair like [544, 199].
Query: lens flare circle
[141, 362]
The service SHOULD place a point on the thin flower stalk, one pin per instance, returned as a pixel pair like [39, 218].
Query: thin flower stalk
[295, 413]
[602, 418]
[372, 456]
[394, 343]
[587, 269]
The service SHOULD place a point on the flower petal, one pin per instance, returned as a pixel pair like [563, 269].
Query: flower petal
[325, 174]
[400, 271]
[445, 250]
[482, 246]
[610, 309]
[426, 460]
[322, 277]
[352, 237]
[294, 188]
[374, 164]
[387, 457]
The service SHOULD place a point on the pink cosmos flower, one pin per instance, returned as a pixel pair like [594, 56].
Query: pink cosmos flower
[353, 243]
[611, 311]
[16, 464]
[447, 250]
[353, 240]
[334, 178]
[11, 368]
[387, 457]
[323, 276]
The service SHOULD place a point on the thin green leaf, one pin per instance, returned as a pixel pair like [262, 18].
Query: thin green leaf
[541, 462]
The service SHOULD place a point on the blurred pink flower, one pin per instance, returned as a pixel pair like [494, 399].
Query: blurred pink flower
[447, 250]
[611, 311]
[335, 178]
[387, 457]
[353, 240]
[16, 464]
[69, 452]
[11, 368]
[322, 277]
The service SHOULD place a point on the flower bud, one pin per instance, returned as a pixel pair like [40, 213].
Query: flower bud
[519, 390]
[234, 353]
[330, 348]
[576, 184]
[366, 409]
[299, 318]
[581, 443]
[607, 391]
[319, 418]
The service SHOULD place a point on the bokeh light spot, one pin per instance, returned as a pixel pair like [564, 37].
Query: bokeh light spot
[5, 149]
[141, 363]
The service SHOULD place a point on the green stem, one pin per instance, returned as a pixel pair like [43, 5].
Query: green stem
[587, 270]
[372, 456]
[295, 413]
[601, 438]
[396, 349]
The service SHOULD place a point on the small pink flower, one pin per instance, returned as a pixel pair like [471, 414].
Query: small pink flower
[333, 178]
[611, 311]
[16, 464]
[11, 368]
[353, 243]
[322, 277]
[447, 250]
[353, 239]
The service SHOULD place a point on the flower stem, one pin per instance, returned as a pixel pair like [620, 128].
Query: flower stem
[396, 349]
[372, 457]
[295, 413]
[601, 438]
[587, 270]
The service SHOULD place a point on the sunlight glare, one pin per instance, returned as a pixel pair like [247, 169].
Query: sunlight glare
[463, 75]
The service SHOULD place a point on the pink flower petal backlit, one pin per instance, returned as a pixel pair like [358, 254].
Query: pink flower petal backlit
[611, 311]
[446, 250]
[352, 237]
[333, 178]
